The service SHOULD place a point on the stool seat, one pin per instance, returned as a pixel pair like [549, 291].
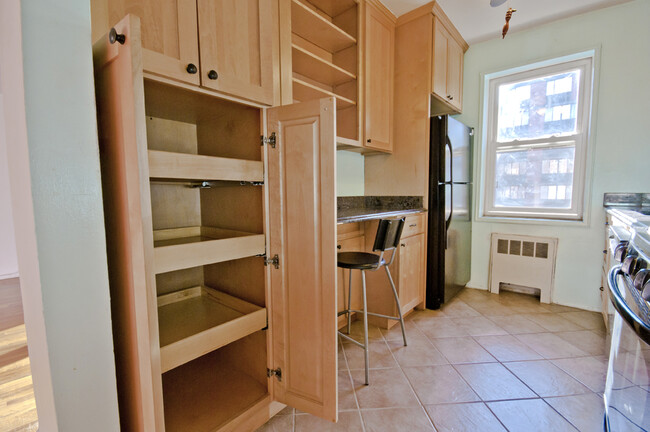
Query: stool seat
[359, 260]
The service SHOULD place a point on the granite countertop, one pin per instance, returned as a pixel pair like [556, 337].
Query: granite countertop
[363, 208]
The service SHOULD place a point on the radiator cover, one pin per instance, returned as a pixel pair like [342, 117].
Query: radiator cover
[523, 260]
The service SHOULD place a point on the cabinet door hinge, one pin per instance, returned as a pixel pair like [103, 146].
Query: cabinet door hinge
[274, 372]
[268, 140]
[267, 261]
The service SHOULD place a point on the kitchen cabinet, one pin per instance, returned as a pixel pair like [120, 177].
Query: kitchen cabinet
[321, 57]
[411, 271]
[237, 40]
[408, 271]
[350, 238]
[221, 252]
[379, 74]
[447, 68]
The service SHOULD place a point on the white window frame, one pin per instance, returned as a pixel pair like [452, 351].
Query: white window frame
[585, 63]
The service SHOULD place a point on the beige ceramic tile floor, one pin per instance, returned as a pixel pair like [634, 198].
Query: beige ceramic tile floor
[483, 363]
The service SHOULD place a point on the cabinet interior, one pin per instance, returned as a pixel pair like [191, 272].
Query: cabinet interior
[324, 51]
[213, 391]
[207, 201]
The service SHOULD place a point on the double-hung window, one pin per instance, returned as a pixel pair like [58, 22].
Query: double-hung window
[536, 141]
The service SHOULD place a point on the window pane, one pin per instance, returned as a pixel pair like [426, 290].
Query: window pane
[538, 108]
[544, 177]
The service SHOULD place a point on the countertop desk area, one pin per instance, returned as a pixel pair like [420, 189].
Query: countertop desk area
[357, 220]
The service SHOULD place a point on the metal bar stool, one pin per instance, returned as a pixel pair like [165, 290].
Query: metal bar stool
[387, 238]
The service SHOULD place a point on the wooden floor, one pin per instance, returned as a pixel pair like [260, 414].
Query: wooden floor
[17, 405]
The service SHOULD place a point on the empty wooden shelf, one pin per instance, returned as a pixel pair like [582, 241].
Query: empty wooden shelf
[319, 69]
[334, 7]
[304, 91]
[198, 320]
[212, 394]
[310, 25]
[182, 166]
[180, 248]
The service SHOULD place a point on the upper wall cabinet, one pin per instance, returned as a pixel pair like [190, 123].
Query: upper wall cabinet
[447, 68]
[321, 57]
[238, 46]
[169, 36]
[379, 75]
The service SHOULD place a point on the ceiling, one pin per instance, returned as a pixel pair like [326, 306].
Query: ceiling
[478, 21]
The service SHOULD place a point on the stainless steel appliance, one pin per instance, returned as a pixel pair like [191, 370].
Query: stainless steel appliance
[627, 392]
[449, 218]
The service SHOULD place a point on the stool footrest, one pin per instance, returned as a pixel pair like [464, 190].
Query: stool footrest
[354, 341]
[375, 314]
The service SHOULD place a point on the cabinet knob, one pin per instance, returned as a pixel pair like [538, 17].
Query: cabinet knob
[368, 140]
[191, 69]
[338, 246]
[114, 36]
[403, 245]
[450, 97]
[213, 75]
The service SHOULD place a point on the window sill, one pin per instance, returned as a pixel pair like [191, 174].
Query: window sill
[533, 221]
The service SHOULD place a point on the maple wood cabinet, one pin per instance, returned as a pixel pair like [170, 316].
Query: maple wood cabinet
[208, 234]
[238, 43]
[379, 51]
[447, 68]
[408, 271]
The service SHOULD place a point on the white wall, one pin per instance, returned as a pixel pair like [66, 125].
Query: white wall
[71, 278]
[349, 173]
[8, 258]
[620, 132]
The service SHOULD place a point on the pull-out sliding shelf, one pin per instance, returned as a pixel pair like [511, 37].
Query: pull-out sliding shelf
[182, 166]
[198, 320]
[181, 248]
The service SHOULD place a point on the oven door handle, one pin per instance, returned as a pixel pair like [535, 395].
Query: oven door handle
[637, 324]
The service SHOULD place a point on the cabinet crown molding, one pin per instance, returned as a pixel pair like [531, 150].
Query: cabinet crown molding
[434, 9]
[382, 7]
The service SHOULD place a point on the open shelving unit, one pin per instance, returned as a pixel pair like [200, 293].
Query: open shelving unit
[325, 60]
[206, 179]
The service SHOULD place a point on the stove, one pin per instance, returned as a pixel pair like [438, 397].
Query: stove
[627, 391]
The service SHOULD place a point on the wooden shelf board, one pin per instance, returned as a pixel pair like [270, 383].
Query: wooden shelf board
[207, 394]
[183, 166]
[318, 69]
[304, 91]
[198, 320]
[333, 7]
[347, 142]
[310, 25]
[181, 248]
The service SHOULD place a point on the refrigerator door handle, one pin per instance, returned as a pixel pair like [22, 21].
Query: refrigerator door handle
[451, 189]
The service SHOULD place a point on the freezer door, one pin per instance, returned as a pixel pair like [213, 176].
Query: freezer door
[460, 137]
[458, 253]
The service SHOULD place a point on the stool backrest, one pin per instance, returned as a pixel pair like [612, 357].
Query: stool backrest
[389, 232]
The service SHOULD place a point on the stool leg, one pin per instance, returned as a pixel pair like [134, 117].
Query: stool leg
[365, 323]
[349, 299]
[399, 307]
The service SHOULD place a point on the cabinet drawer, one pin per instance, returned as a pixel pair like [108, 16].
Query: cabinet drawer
[414, 225]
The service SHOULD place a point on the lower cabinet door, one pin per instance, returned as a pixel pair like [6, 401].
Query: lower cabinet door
[302, 233]
[355, 244]
[411, 281]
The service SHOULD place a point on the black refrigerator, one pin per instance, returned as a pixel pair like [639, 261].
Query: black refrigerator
[449, 246]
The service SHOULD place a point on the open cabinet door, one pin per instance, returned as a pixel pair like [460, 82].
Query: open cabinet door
[127, 208]
[302, 202]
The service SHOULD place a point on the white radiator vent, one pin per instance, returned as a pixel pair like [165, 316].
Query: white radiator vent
[524, 261]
